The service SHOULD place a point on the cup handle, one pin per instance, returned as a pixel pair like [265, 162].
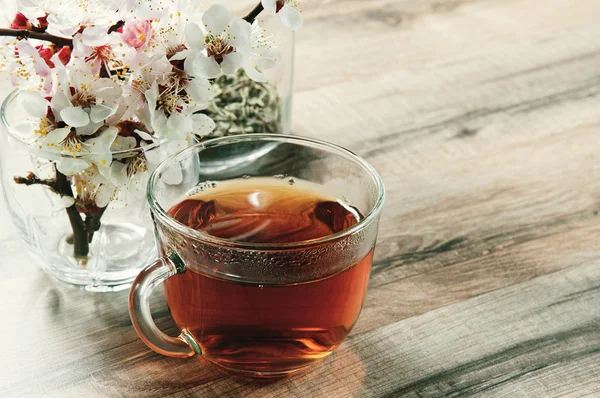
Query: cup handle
[182, 346]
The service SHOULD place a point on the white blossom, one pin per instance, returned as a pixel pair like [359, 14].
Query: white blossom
[80, 14]
[85, 100]
[261, 52]
[26, 68]
[214, 46]
[109, 109]
[288, 11]
[78, 155]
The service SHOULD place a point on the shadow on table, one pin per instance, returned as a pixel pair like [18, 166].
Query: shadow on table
[93, 335]
[345, 373]
[117, 361]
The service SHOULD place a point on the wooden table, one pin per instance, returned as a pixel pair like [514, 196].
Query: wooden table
[483, 117]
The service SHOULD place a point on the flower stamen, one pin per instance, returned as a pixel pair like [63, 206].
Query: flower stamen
[71, 143]
[218, 46]
[136, 164]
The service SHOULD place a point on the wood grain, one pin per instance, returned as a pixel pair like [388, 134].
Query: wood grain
[483, 118]
[460, 350]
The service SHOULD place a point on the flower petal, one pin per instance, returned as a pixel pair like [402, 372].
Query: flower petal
[172, 175]
[104, 195]
[178, 56]
[104, 141]
[56, 136]
[25, 49]
[253, 73]
[70, 166]
[152, 96]
[67, 201]
[89, 128]
[107, 90]
[206, 67]
[143, 135]
[188, 63]
[99, 148]
[94, 36]
[194, 36]
[40, 66]
[159, 123]
[154, 156]
[266, 58]
[179, 127]
[175, 146]
[59, 102]
[33, 103]
[48, 84]
[103, 111]
[239, 32]
[290, 17]
[231, 63]
[216, 19]
[137, 184]
[75, 116]
[270, 6]
[118, 174]
[123, 144]
[203, 125]
[200, 90]
[80, 49]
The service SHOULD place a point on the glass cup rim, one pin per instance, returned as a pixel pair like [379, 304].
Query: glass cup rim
[161, 213]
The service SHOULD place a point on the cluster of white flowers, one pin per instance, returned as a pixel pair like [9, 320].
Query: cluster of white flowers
[114, 86]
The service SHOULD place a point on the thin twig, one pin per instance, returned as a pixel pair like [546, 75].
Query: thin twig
[81, 247]
[254, 13]
[116, 27]
[32, 179]
[26, 34]
[92, 222]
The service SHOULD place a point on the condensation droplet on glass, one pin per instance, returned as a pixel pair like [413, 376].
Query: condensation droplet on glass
[279, 176]
[261, 286]
[291, 181]
[245, 176]
[213, 184]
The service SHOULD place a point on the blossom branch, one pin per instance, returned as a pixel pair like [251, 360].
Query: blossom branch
[254, 13]
[81, 247]
[62, 186]
[92, 222]
[32, 179]
[116, 27]
[26, 34]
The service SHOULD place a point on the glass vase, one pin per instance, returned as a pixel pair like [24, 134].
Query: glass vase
[117, 248]
[243, 106]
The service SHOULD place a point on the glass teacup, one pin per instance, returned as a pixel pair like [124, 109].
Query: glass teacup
[251, 303]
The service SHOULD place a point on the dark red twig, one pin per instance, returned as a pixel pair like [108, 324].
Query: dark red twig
[254, 13]
[26, 34]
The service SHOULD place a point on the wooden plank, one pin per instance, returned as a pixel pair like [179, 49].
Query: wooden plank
[504, 110]
[116, 360]
[539, 338]
[526, 96]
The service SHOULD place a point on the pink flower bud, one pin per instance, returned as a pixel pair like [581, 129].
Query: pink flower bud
[279, 4]
[64, 55]
[46, 53]
[20, 22]
[137, 33]
[42, 23]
